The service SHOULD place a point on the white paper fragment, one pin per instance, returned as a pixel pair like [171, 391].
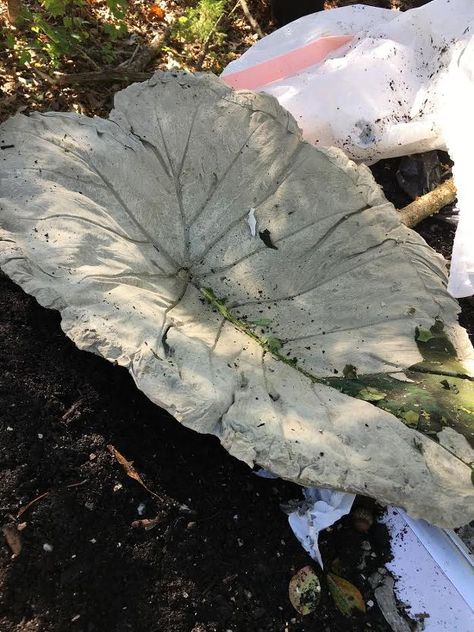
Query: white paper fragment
[252, 222]
[321, 509]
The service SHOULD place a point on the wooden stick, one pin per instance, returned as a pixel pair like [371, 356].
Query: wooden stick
[133, 71]
[94, 77]
[251, 20]
[148, 54]
[428, 204]
[13, 10]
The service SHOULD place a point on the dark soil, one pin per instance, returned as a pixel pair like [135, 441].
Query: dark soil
[220, 559]
[222, 554]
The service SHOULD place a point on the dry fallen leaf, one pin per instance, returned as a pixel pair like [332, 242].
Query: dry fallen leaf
[156, 12]
[13, 538]
[346, 596]
[129, 469]
[304, 590]
[147, 523]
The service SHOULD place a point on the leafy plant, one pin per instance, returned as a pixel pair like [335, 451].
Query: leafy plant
[59, 28]
[199, 22]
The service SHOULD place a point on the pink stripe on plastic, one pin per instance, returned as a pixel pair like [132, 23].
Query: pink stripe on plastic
[285, 65]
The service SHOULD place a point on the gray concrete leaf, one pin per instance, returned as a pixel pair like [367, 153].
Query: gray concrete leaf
[120, 223]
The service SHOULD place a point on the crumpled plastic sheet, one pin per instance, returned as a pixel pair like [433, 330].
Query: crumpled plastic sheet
[379, 83]
[320, 509]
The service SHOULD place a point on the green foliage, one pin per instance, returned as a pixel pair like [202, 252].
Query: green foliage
[59, 28]
[117, 28]
[55, 8]
[424, 335]
[199, 22]
[271, 343]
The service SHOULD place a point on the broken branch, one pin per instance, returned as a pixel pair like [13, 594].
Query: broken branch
[428, 204]
[147, 55]
[251, 20]
[99, 76]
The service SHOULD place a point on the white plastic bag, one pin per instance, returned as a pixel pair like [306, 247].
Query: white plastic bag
[379, 83]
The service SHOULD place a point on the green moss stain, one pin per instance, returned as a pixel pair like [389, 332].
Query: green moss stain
[438, 391]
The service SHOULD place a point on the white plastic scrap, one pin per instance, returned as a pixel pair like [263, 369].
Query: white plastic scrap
[321, 509]
[252, 222]
[263, 473]
[403, 84]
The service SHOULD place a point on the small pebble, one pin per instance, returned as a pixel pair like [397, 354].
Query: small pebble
[10, 429]
[40, 435]
[89, 506]
[92, 540]
[366, 545]
[141, 509]
[370, 603]
[117, 487]
[76, 617]
[47, 547]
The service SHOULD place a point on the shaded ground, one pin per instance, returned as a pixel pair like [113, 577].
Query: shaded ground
[223, 562]
[222, 554]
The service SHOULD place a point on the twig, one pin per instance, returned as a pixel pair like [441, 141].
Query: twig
[22, 510]
[13, 10]
[134, 71]
[148, 54]
[251, 20]
[127, 62]
[94, 77]
[31, 503]
[89, 59]
[428, 204]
